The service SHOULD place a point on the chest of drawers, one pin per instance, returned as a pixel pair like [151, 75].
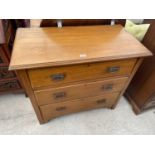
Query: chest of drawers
[9, 81]
[72, 69]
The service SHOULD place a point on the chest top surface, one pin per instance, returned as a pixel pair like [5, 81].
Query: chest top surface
[40, 47]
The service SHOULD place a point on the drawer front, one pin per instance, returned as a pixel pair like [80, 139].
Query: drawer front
[58, 76]
[71, 92]
[8, 86]
[5, 74]
[53, 110]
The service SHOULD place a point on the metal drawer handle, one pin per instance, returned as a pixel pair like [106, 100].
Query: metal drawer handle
[61, 108]
[113, 69]
[57, 77]
[107, 87]
[59, 95]
[102, 101]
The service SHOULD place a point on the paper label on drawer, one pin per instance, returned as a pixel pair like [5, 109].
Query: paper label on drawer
[83, 55]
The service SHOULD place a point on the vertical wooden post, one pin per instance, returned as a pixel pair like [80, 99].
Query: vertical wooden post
[138, 63]
[26, 83]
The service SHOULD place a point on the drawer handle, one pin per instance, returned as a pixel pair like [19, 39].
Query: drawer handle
[107, 87]
[59, 95]
[113, 69]
[57, 77]
[61, 108]
[102, 101]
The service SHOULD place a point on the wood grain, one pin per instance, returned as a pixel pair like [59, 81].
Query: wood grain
[26, 84]
[78, 73]
[42, 47]
[53, 110]
[35, 22]
[75, 62]
[70, 92]
[137, 64]
[2, 35]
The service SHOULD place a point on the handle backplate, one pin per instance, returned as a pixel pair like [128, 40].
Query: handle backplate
[61, 108]
[59, 95]
[57, 77]
[102, 101]
[107, 87]
[113, 69]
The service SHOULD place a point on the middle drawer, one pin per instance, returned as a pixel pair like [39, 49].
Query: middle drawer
[71, 92]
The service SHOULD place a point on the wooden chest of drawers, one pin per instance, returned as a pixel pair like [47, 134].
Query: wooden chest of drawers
[9, 81]
[72, 69]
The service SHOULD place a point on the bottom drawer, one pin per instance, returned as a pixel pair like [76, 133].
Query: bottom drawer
[53, 110]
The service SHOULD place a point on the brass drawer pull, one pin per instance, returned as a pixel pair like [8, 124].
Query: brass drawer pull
[59, 95]
[102, 101]
[57, 77]
[107, 87]
[61, 108]
[113, 69]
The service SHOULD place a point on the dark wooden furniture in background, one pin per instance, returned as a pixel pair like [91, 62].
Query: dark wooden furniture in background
[9, 81]
[73, 22]
[141, 91]
[79, 22]
[73, 69]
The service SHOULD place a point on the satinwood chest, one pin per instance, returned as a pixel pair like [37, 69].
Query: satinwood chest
[72, 69]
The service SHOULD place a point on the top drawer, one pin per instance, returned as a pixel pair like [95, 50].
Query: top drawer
[58, 76]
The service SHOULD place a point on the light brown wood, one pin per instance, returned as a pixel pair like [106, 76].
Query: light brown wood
[35, 22]
[42, 47]
[53, 110]
[61, 94]
[26, 83]
[75, 63]
[76, 73]
[137, 64]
